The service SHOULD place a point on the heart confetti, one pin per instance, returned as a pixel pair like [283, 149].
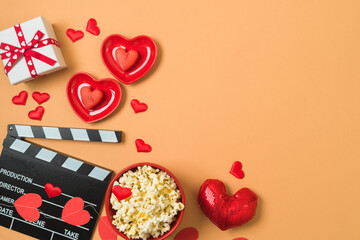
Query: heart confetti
[105, 229]
[138, 106]
[52, 191]
[40, 97]
[74, 35]
[92, 27]
[21, 98]
[120, 192]
[141, 146]
[37, 114]
[189, 233]
[236, 170]
[73, 212]
[126, 59]
[27, 206]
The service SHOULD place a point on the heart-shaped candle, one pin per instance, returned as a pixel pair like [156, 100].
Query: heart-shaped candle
[128, 59]
[83, 85]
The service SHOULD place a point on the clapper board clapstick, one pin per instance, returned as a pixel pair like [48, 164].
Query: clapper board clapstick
[26, 168]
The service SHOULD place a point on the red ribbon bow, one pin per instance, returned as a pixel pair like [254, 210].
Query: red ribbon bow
[15, 53]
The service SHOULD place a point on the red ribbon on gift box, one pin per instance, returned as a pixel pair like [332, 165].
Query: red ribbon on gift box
[15, 53]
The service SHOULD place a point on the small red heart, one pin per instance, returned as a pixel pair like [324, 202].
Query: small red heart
[74, 35]
[52, 191]
[141, 146]
[138, 107]
[106, 231]
[224, 211]
[189, 233]
[92, 27]
[73, 212]
[21, 98]
[36, 114]
[40, 97]
[120, 192]
[236, 170]
[126, 59]
[91, 98]
[27, 206]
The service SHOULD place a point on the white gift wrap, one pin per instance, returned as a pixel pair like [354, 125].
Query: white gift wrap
[20, 72]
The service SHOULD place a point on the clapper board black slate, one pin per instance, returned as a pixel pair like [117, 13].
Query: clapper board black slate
[26, 168]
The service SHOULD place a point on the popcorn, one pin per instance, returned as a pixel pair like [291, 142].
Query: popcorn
[152, 206]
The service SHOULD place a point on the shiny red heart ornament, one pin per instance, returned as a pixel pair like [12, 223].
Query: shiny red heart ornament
[224, 211]
[141, 146]
[138, 106]
[21, 98]
[111, 96]
[36, 114]
[90, 97]
[120, 192]
[27, 206]
[73, 212]
[52, 191]
[40, 97]
[92, 27]
[74, 35]
[144, 46]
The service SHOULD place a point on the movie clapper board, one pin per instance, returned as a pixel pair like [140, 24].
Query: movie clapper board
[26, 168]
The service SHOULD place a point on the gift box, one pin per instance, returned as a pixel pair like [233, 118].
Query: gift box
[29, 50]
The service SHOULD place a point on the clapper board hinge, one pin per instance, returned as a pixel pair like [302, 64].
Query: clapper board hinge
[76, 134]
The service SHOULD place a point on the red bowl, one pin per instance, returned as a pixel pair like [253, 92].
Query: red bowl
[111, 212]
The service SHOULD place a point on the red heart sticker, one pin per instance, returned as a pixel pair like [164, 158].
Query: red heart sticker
[90, 97]
[74, 35]
[141, 146]
[111, 96]
[189, 233]
[236, 170]
[36, 114]
[40, 97]
[27, 206]
[21, 98]
[120, 192]
[131, 70]
[52, 191]
[224, 211]
[92, 27]
[105, 229]
[137, 106]
[73, 212]
[126, 59]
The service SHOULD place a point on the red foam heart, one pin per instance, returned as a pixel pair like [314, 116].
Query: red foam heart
[189, 233]
[92, 27]
[110, 100]
[36, 114]
[27, 206]
[126, 59]
[74, 35]
[137, 106]
[236, 170]
[143, 45]
[224, 211]
[73, 212]
[141, 146]
[105, 229]
[120, 192]
[40, 97]
[52, 191]
[91, 98]
[21, 98]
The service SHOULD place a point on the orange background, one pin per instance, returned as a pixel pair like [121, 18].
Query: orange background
[273, 84]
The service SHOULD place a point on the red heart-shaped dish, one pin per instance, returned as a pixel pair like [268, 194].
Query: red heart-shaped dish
[224, 211]
[110, 100]
[143, 45]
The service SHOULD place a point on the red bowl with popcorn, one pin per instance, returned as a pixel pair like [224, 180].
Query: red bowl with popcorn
[149, 185]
